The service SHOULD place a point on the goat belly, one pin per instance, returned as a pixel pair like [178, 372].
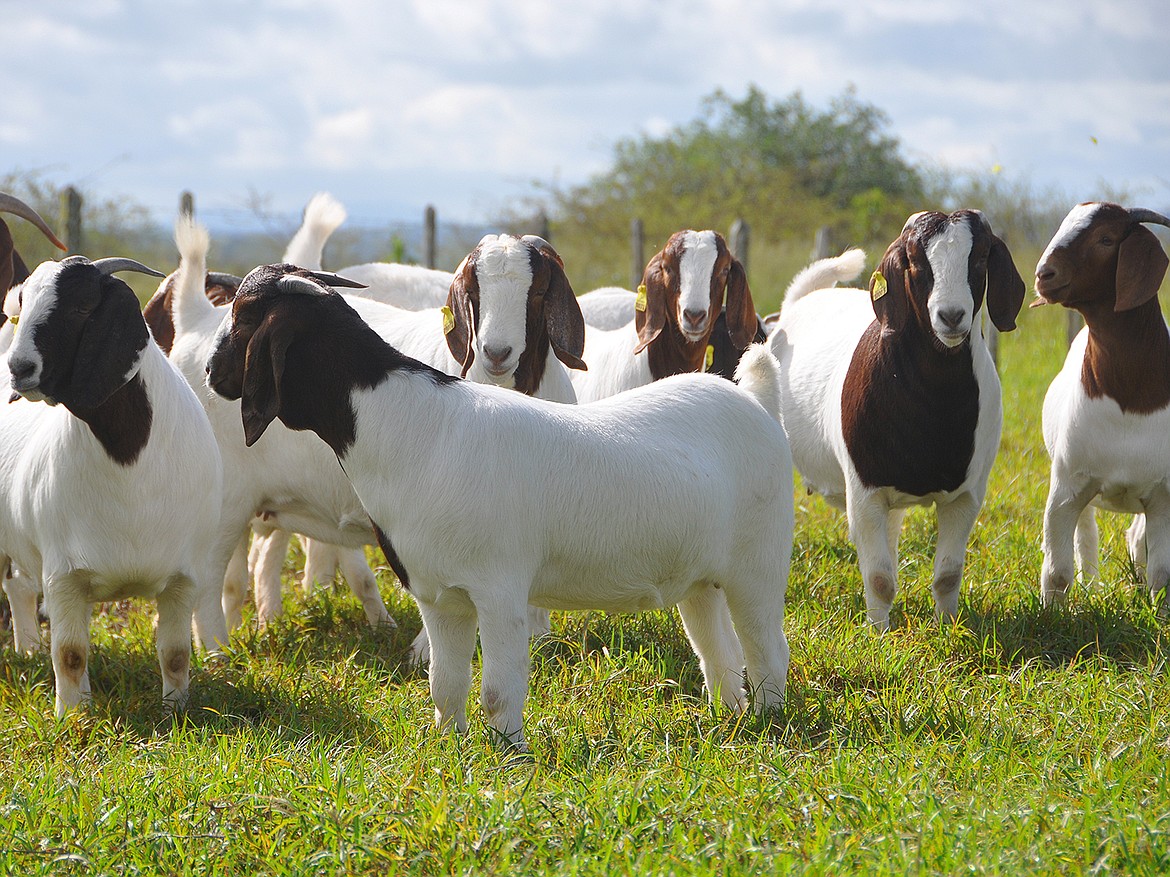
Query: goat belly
[906, 427]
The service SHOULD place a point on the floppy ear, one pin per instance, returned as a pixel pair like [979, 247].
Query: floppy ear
[1005, 287]
[459, 302]
[111, 345]
[562, 316]
[651, 321]
[1141, 265]
[741, 311]
[263, 370]
[889, 287]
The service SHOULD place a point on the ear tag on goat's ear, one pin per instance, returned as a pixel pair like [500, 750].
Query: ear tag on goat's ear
[448, 319]
[708, 357]
[640, 301]
[877, 286]
[14, 319]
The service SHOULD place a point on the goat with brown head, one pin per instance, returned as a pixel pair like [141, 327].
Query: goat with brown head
[1107, 412]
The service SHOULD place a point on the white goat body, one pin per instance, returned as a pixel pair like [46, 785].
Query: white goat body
[99, 506]
[676, 493]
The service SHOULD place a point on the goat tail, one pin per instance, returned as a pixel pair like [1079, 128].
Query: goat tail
[758, 372]
[323, 215]
[825, 273]
[190, 301]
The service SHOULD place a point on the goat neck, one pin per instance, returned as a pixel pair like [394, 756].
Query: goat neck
[1127, 356]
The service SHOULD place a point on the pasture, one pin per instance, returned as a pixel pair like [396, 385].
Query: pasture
[1021, 739]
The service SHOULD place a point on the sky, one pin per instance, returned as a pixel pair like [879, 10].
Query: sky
[469, 106]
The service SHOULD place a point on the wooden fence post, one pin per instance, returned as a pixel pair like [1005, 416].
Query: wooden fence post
[542, 228]
[637, 250]
[429, 237]
[187, 204]
[71, 219]
[1075, 324]
[740, 238]
[822, 243]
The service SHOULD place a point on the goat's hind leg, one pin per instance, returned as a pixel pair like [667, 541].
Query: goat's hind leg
[173, 639]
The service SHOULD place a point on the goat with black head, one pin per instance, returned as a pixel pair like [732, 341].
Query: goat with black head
[1107, 413]
[112, 488]
[890, 397]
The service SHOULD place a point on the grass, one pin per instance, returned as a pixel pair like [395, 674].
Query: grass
[1020, 740]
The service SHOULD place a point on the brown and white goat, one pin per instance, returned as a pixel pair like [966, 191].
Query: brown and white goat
[1107, 413]
[903, 409]
[685, 285]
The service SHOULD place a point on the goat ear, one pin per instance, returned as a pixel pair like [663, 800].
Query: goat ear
[1005, 287]
[263, 370]
[742, 321]
[458, 328]
[652, 318]
[111, 345]
[562, 316]
[1141, 265]
[889, 287]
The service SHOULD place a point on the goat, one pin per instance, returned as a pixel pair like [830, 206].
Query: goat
[479, 520]
[1107, 413]
[903, 409]
[684, 287]
[111, 489]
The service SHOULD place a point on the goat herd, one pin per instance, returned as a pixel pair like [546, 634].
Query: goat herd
[155, 454]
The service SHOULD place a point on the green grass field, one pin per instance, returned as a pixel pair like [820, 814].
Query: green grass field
[1020, 740]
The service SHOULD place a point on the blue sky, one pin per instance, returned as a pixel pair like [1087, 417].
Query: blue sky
[394, 105]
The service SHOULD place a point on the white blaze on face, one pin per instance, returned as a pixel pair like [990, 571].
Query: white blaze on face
[1078, 219]
[38, 301]
[698, 261]
[504, 272]
[949, 254]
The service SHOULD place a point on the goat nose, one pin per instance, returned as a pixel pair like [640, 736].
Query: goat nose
[22, 371]
[694, 318]
[1044, 273]
[951, 317]
[497, 354]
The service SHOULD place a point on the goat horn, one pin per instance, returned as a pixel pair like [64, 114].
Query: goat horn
[1140, 214]
[221, 279]
[537, 241]
[13, 205]
[115, 263]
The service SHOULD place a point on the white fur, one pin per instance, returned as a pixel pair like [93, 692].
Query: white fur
[410, 287]
[609, 307]
[88, 529]
[458, 478]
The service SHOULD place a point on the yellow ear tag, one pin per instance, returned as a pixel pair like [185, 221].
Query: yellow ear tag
[709, 358]
[877, 286]
[448, 319]
[13, 319]
[640, 301]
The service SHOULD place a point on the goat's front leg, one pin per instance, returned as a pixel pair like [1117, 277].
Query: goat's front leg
[1135, 539]
[1067, 498]
[173, 640]
[956, 519]
[503, 638]
[69, 616]
[450, 623]
[869, 529]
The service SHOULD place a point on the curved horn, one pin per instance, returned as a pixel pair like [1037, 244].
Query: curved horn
[1140, 214]
[13, 205]
[296, 283]
[537, 241]
[116, 263]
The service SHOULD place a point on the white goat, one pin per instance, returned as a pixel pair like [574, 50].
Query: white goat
[682, 294]
[905, 409]
[608, 308]
[486, 501]
[1107, 413]
[111, 489]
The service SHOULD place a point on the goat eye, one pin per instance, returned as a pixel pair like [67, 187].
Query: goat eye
[1107, 241]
